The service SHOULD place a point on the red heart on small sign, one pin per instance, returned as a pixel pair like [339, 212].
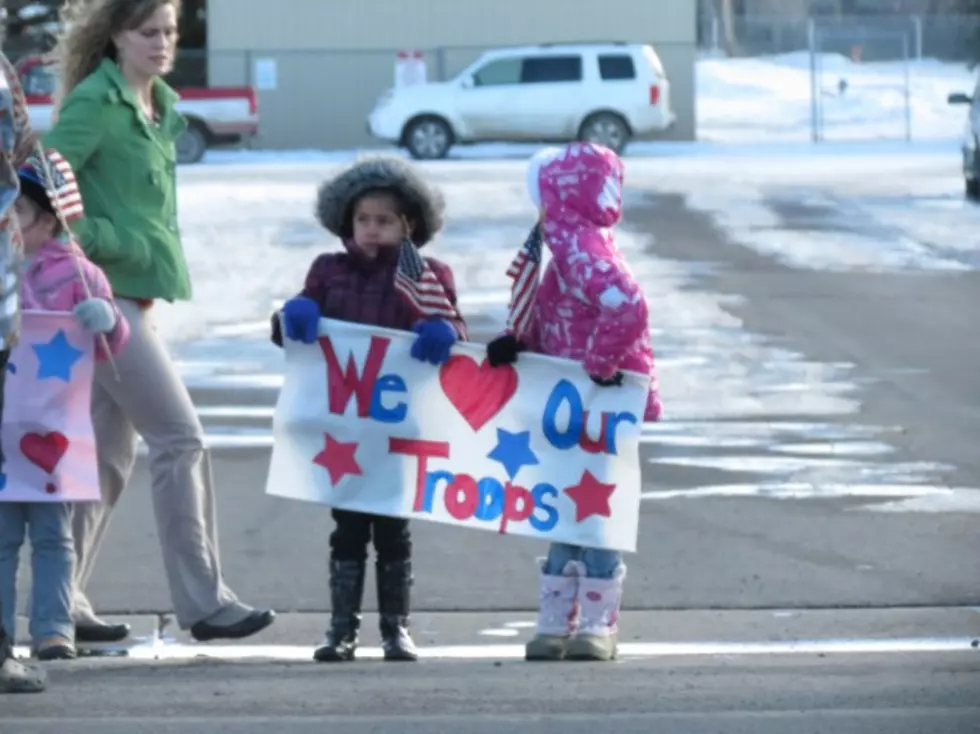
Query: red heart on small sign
[477, 391]
[44, 450]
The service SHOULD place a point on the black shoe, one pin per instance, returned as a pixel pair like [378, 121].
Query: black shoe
[340, 644]
[256, 621]
[56, 652]
[346, 592]
[101, 632]
[394, 595]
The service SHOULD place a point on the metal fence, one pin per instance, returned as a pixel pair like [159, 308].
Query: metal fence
[829, 87]
[864, 71]
[943, 37]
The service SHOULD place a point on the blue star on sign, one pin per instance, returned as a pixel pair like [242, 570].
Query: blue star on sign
[56, 358]
[513, 451]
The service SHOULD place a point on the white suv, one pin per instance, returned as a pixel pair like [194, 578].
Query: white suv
[553, 93]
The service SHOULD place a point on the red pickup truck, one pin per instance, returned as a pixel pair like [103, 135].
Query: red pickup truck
[215, 116]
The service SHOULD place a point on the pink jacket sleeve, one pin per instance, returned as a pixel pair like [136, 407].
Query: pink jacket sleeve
[100, 288]
[622, 319]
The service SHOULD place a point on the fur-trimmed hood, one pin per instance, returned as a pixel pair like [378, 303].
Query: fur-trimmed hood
[424, 204]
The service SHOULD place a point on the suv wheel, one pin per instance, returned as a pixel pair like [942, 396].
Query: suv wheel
[192, 144]
[606, 128]
[428, 138]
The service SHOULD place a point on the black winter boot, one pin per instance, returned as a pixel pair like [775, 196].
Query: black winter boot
[394, 594]
[346, 591]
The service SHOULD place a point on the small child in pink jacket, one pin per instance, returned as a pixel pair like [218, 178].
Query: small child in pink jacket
[589, 308]
[51, 283]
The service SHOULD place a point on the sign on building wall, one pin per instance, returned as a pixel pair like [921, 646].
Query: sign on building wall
[266, 74]
[410, 68]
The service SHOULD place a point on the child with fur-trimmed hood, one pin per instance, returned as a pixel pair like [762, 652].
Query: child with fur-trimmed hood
[383, 212]
[588, 307]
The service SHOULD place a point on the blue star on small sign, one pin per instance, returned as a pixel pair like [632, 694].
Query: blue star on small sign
[513, 451]
[56, 358]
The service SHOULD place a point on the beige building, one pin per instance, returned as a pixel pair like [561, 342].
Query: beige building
[320, 65]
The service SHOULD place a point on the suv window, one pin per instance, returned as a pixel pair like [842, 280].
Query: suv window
[545, 69]
[616, 67]
[501, 71]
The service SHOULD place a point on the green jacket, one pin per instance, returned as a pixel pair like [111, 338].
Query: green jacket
[126, 171]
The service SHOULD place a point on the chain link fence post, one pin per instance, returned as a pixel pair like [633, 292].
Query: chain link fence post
[811, 34]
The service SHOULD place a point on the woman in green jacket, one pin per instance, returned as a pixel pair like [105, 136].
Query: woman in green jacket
[116, 125]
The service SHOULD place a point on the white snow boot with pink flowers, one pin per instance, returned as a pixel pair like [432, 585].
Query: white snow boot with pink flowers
[557, 613]
[598, 602]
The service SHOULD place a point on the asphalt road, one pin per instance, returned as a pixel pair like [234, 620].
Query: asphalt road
[911, 379]
[806, 464]
[803, 695]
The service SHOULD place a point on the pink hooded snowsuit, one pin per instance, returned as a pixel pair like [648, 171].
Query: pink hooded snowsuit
[588, 306]
[51, 283]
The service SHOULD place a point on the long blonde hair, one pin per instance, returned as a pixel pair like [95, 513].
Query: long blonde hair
[87, 28]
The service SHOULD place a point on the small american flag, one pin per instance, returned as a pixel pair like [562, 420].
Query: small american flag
[420, 287]
[62, 186]
[524, 271]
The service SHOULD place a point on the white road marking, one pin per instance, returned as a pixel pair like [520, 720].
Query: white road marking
[499, 632]
[801, 490]
[178, 652]
[507, 629]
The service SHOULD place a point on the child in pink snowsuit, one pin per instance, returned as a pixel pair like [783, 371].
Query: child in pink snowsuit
[51, 283]
[588, 307]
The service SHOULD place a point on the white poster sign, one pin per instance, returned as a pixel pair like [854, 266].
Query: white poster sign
[535, 449]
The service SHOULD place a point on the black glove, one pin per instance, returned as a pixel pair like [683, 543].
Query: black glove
[276, 335]
[504, 350]
[614, 381]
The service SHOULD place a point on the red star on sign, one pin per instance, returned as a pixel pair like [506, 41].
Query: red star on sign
[338, 459]
[591, 497]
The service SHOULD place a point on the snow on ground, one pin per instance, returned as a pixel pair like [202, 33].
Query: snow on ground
[249, 230]
[872, 202]
[753, 115]
[250, 235]
[771, 99]
[895, 228]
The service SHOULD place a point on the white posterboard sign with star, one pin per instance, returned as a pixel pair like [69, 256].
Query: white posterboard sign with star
[47, 436]
[535, 449]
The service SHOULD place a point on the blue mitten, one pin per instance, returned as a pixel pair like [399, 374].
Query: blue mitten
[435, 338]
[96, 315]
[302, 317]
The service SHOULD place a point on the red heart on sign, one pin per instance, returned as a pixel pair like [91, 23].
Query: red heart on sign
[44, 450]
[477, 391]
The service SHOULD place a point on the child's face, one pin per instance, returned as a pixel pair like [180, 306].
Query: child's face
[36, 225]
[378, 223]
